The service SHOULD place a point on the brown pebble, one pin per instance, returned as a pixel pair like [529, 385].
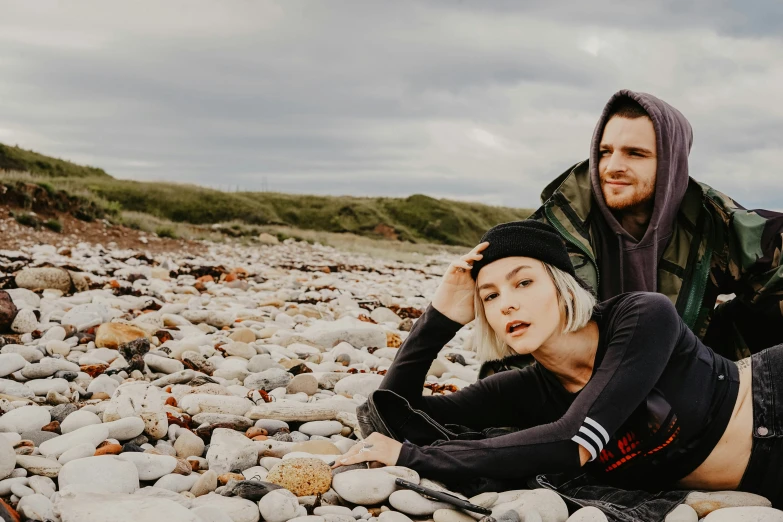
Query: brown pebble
[194, 465]
[183, 467]
[53, 426]
[108, 449]
[94, 370]
[100, 395]
[255, 432]
[171, 401]
[260, 437]
[225, 477]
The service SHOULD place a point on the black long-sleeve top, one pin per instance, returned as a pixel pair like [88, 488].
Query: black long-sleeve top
[657, 403]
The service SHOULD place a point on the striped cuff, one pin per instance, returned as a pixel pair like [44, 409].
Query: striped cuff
[592, 437]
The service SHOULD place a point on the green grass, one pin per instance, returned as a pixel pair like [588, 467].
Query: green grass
[27, 219]
[16, 158]
[415, 219]
[54, 225]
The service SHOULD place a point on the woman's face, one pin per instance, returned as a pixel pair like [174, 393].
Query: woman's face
[520, 302]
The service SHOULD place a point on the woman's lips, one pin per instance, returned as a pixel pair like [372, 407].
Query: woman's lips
[519, 331]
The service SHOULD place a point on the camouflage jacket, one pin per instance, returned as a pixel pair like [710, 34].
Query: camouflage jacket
[717, 247]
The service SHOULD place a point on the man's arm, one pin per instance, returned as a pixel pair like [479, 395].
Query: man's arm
[755, 275]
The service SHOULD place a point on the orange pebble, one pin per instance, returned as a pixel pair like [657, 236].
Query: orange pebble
[260, 437]
[225, 477]
[109, 449]
[171, 401]
[255, 432]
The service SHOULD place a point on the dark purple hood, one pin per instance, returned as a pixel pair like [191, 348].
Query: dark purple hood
[626, 264]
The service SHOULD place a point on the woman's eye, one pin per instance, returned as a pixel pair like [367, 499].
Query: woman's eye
[489, 297]
[524, 282]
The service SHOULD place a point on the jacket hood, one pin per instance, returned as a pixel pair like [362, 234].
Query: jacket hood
[637, 261]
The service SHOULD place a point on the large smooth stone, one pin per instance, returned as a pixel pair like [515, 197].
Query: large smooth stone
[588, 514]
[8, 310]
[278, 506]
[78, 419]
[26, 418]
[104, 474]
[10, 363]
[549, 505]
[230, 450]
[451, 515]
[393, 516]
[25, 321]
[411, 503]
[745, 514]
[86, 316]
[39, 465]
[302, 476]
[163, 364]
[705, 502]
[322, 428]
[42, 278]
[7, 457]
[239, 509]
[211, 514]
[350, 330]
[166, 494]
[112, 335]
[93, 434]
[36, 507]
[80, 451]
[125, 429]
[359, 384]
[196, 403]
[122, 508]
[268, 380]
[188, 444]
[207, 482]
[364, 486]
[177, 483]
[150, 465]
[682, 513]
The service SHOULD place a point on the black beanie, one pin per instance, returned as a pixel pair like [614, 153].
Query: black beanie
[526, 238]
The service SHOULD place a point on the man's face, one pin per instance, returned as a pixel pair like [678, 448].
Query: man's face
[628, 163]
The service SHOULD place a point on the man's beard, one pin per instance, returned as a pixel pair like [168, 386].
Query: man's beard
[638, 196]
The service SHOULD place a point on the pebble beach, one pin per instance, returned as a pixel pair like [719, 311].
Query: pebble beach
[216, 384]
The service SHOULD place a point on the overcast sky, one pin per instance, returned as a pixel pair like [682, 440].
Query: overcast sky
[484, 100]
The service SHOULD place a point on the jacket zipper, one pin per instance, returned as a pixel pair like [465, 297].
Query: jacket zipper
[571, 239]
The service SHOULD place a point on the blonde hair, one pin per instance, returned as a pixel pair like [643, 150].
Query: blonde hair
[576, 308]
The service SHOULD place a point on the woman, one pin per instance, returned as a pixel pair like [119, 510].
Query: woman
[623, 389]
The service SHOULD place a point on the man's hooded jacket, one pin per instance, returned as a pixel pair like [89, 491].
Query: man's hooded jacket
[699, 243]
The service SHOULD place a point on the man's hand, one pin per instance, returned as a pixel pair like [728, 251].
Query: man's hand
[375, 448]
[454, 296]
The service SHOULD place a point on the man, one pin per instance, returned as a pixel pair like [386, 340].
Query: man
[634, 221]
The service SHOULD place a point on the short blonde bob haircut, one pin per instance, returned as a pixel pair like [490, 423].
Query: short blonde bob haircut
[576, 308]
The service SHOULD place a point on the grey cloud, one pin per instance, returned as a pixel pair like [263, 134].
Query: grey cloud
[485, 100]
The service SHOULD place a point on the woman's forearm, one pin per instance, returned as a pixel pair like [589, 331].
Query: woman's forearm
[427, 337]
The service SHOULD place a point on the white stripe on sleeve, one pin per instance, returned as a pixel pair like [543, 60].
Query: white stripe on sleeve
[586, 445]
[598, 427]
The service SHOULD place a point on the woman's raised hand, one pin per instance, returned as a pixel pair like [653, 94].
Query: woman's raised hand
[454, 296]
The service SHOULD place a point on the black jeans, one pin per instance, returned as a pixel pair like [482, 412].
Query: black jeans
[764, 474]
[387, 413]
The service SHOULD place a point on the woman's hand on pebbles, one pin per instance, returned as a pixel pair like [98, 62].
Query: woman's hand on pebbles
[375, 448]
[454, 296]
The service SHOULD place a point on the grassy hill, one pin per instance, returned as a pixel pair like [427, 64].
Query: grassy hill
[416, 219]
[18, 159]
